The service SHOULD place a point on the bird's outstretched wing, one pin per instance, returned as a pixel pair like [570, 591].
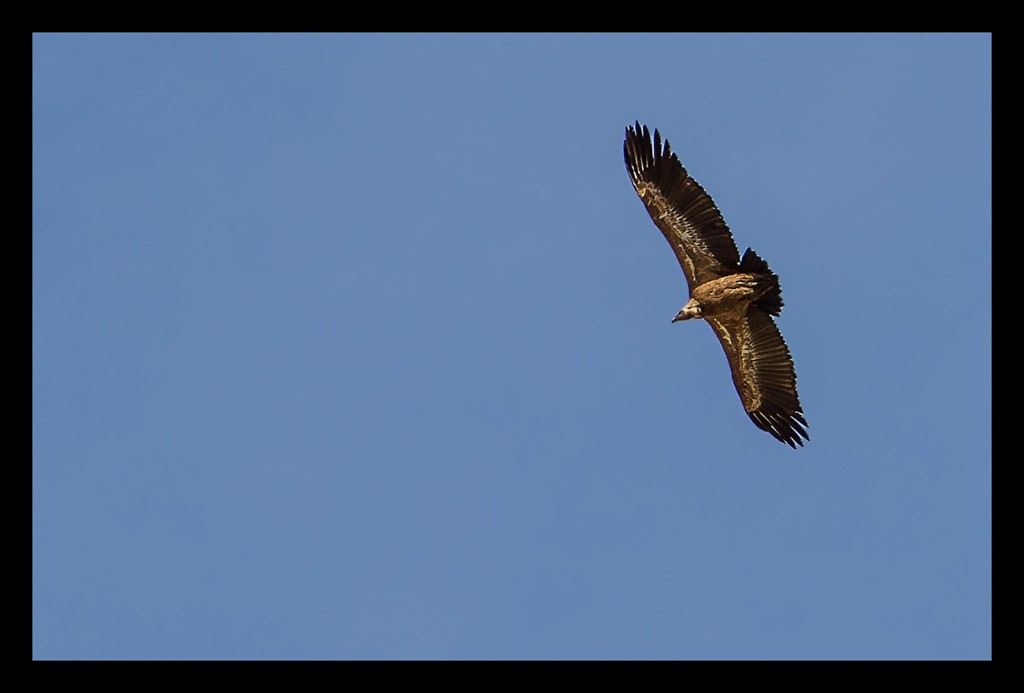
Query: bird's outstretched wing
[680, 207]
[762, 370]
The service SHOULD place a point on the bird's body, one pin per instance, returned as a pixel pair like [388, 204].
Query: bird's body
[736, 296]
[725, 295]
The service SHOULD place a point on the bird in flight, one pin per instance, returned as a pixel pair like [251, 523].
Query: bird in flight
[737, 297]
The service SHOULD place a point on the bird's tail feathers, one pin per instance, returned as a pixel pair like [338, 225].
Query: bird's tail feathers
[771, 302]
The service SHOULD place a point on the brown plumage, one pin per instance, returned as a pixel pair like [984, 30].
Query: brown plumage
[737, 297]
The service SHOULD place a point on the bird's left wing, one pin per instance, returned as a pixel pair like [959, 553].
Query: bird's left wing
[685, 213]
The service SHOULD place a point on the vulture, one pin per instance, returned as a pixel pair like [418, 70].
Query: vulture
[736, 296]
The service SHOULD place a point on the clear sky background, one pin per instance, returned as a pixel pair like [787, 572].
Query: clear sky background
[359, 346]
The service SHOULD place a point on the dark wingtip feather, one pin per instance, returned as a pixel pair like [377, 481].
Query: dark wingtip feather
[783, 428]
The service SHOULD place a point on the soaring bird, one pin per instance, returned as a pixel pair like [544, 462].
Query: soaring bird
[737, 297]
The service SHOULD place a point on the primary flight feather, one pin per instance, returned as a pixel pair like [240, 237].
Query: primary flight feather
[736, 296]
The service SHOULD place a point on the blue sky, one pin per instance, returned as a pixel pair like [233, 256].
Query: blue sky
[359, 347]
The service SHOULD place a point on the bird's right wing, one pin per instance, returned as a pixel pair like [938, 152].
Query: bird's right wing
[763, 372]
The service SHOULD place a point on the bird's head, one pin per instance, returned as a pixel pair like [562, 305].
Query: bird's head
[689, 311]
